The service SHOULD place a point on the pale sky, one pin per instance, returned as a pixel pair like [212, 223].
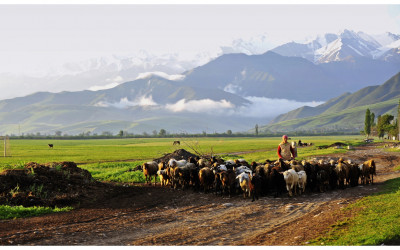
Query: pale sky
[39, 36]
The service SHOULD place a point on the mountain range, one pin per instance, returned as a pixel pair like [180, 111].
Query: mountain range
[346, 112]
[233, 91]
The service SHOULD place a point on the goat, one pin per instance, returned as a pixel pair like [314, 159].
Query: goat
[50, 145]
[292, 180]
[150, 169]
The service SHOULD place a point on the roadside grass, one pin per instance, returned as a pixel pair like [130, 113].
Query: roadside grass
[377, 221]
[12, 212]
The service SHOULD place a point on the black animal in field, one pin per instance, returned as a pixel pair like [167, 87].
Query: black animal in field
[50, 145]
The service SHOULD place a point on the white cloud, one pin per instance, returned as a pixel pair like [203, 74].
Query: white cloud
[161, 74]
[112, 83]
[107, 86]
[201, 106]
[232, 88]
[124, 102]
[267, 107]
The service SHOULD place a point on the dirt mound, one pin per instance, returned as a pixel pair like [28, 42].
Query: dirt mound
[51, 184]
[179, 154]
[338, 144]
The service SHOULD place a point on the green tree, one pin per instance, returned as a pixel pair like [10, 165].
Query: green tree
[162, 132]
[372, 119]
[367, 123]
[121, 133]
[229, 132]
[256, 128]
[384, 124]
[398, 121]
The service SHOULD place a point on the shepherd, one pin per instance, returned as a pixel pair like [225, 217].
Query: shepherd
[285, 150]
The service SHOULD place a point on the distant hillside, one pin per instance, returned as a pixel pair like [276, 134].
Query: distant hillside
[346, 112]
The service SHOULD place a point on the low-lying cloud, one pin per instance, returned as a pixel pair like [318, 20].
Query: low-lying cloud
[200, 106]
[268, 107]
[125, 103]
[259, 107]
[113, 82]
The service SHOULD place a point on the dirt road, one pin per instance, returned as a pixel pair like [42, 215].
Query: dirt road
[163, 216]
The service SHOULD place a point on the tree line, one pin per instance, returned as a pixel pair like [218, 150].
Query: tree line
[385, 125]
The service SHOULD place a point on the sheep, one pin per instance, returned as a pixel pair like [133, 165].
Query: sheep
[364, 174]
[322, 180]
[162, 166]
[241, 162]
[296, 166]
[256, 185]
[242, 169]
[228, 179]
[217, 169]
[341, 173]
[174, 163]
[302, 181]
[149, 169]
[277, 181]
[244, 182]
[206, 178]
[203, 163]
[292, 179]
[164, 178]
[372, 169]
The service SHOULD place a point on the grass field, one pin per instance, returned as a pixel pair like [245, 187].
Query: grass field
[376, 223]
[112, 159]
[141, 150]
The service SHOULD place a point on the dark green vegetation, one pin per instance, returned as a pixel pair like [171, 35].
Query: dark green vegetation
[11, 212]
[377, 221]
[344, 113]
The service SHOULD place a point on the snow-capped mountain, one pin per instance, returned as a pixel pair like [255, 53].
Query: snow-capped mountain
[347, 46]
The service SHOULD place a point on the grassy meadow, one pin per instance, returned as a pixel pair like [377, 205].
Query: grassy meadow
[137, 151]
[112, 159]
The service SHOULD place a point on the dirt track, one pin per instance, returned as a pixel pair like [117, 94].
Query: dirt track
[163, 216]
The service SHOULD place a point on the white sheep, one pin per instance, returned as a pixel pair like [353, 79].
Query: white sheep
[302, 181]
[292, 180]
[174, 163]
[244, 182]
[242, 169]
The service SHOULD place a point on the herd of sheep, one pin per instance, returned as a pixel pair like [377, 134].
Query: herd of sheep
[259, 179]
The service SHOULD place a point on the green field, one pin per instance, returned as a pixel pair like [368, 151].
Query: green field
[111, 159]
[141, 150]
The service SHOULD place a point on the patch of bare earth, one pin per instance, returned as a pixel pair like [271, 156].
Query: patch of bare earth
[148, 215]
